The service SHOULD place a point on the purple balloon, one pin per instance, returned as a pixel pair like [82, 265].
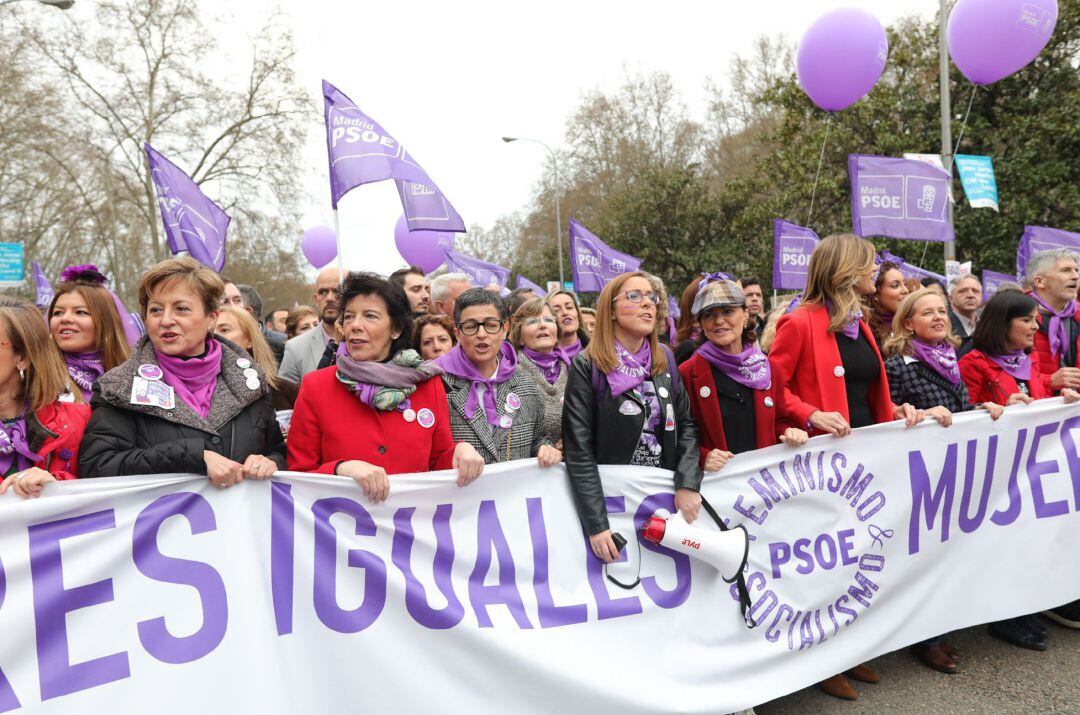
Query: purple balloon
[319, 245]
[841, 57]
[992, 39]
[422, 248]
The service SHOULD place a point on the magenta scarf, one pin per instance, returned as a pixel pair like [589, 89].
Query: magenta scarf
[939, 357]
[571, 351]
[1016, 363]
[1057, 330]
[749, 368]
[550, 363]
[631, 370]
[457, 364]
[193, 379]
[84, 369]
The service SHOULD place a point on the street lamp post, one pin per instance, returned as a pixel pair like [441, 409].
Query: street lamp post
[558, 208]
[61, 4]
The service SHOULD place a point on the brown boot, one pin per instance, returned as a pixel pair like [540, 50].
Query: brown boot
[864, 674]
[839, 687]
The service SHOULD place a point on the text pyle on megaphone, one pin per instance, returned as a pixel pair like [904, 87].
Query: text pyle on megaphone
[725, 551]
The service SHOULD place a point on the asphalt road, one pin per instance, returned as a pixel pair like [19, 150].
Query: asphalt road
[994, 677]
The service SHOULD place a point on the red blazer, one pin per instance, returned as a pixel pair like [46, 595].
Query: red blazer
[805, 358]
[987, 382]
[64, 423]
[697, 375]
[330, 425]
[1048, 362]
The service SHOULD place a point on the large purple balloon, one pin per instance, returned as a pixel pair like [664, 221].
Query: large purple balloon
[422, 248]
[992, 39]
[319, 245]
[841, 57]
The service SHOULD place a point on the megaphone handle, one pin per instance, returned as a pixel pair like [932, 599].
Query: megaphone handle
[740, 580]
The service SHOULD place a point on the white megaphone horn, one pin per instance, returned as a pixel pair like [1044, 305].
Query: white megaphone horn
[725, 551]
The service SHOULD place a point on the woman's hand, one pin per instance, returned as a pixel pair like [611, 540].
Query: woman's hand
[222, 471]
[908, 414]
[993, 408]
[256, 466]
[940, 415]
[1070, 395]
[716, 460]
[794, 437]
[27, 483]
[604, 546]
[1018, 398]
[372, 479]
[468, 463]
[688, 502]
[830, 422]
[548, 456]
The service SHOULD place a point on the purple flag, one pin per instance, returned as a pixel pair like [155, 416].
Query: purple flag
[792, 246]
[43, 290]
[909, 270]
[523, 282]
[899, 198]
[992, 280]
[481, 272]
[594, 262]
[132, 324]
[360, 152]
[673, 307]
[193, 223]
[1041, 238]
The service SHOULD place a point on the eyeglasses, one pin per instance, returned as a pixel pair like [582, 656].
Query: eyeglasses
[636, 296]
[471, 327]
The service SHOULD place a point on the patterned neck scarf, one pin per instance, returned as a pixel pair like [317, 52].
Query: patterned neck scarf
[385, 386]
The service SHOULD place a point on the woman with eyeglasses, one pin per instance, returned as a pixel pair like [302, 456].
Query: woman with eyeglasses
[624, 404]
[494, 406]
[535, 333]
[572, 336]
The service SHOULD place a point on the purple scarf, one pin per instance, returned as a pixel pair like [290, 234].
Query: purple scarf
[1057, 330]
[1017, 364]
[548, 363]
[193, 379]
[384, 386]
[571, 351]
[851, 329]
[84, 369]
[631, 370]
[457, 364]
[939, 357]
[749, 368]
[15, 453]
[887, 320]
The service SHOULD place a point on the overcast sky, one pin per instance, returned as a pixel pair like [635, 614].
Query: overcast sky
[448, 79]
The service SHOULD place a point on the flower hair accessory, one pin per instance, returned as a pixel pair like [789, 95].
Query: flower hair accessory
[88, 273]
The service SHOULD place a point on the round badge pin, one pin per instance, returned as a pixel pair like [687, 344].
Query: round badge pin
[250, 373]
[426, 418]
[243, 363]
[663, 392]
[150, 372]
[505, 421]
[253, 383]
[704, 391]
[838, 371]
[768, 402]
[409, 415]
[513, 401]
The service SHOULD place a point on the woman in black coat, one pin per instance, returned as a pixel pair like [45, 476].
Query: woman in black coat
[186, 400]
[624, 405]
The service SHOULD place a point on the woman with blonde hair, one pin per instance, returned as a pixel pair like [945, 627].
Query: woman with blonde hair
[86, 326]
[238, 326]
[624, 405]
[39, 434]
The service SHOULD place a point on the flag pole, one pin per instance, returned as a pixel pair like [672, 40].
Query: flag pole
[337, 239]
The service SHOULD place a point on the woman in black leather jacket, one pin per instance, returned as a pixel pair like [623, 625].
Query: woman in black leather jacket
[624, 404]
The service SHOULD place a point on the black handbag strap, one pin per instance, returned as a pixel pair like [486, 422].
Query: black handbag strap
[740, 580]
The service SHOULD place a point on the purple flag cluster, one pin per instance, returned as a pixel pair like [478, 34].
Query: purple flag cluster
[193, 223]
[481, 272]
[991, 282]
[360, 152]
[1041, 238]
[523, 282]
[43, 290]
[899, 198]
[909, 270]
[594, 262]
[792, 246]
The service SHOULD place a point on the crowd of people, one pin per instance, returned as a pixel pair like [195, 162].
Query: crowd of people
[384, 376]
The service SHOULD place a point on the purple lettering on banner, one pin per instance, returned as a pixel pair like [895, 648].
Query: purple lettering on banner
[1004, 517]
[969, 524]
[663, 597]
[489, 533]
[52, 602]
[416, 601]
[8, 701]
[551, 615]
[327, 609]
[282, 556]
[606, 606]
[921, 498]
[154, 634]
[1036, 470]
[1072, 455]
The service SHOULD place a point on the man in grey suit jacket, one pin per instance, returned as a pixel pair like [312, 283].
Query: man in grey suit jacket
[303, 352]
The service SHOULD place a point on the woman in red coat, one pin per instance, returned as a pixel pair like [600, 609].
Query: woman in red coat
[827, 366]
[732, 394]
[377, 411]
[39, 435]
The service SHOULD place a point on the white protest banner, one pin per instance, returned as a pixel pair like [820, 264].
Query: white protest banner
[163, 594]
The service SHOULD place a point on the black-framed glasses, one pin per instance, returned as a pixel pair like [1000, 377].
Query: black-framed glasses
[472, 327]
[637, 296]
